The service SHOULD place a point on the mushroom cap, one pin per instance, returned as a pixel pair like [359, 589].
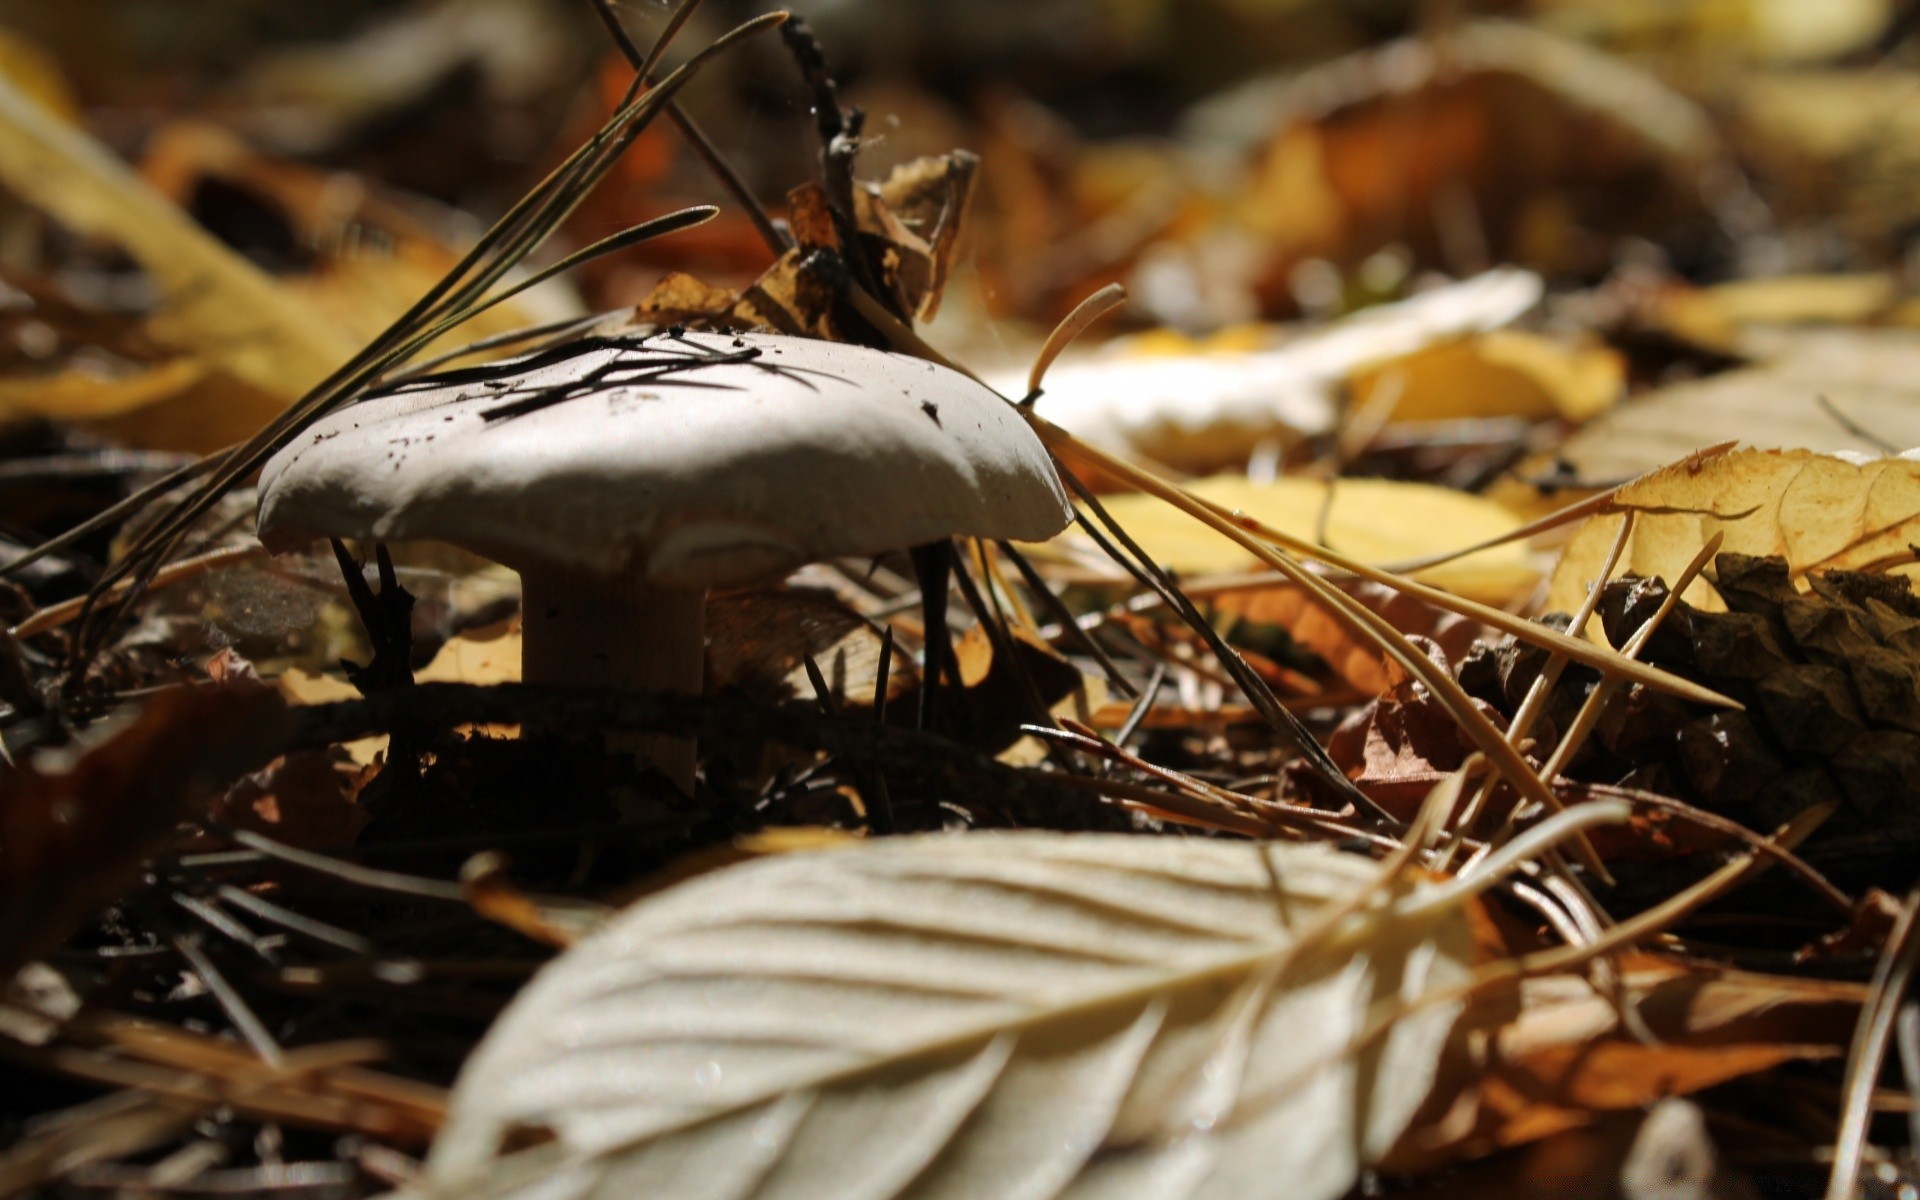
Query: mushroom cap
[690, 460]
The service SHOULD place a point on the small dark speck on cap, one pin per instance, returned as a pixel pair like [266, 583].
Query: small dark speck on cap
[931, 409]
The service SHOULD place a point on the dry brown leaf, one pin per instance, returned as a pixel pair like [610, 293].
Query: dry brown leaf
[76, 823]
[1494, 141]
[370, 258]
[758, 640]
[1564, 1057]
[1358, 662]
[304, 799]
[1816, 511]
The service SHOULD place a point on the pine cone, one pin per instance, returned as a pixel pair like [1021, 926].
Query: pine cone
[1831, 683]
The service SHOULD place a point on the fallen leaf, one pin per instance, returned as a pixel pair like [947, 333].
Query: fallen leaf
[976, 1015]
[1506, 373]
[216, 302]
[1714, 317]
[76, 823]
[487, 655]
[1834, 146]
[1355, 660]
[1373, 519]
[1489, 141]
[1866, 376]
[758, 640]
[1816, 511]
[1766, 30]
[37, 75]
[359, 259]
[304, 799]
[1667, 1154]
[1564, 1056]
[1208, 411]
[82, 396]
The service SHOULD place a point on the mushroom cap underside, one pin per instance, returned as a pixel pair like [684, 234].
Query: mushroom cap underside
[696, 460]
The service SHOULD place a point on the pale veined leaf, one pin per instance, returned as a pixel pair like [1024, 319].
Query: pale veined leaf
[1010, 1015]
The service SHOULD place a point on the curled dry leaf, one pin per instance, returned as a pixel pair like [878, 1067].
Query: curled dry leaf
[1208, 411]
[910, 224]
[1566, 1055]
[1019, 1015]
[1817, 511]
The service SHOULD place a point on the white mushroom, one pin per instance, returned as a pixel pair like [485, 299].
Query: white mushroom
[623, 477]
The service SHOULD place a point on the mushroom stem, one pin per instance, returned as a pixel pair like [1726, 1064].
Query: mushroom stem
[582, 629]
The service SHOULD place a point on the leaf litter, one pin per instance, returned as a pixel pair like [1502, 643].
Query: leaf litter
[1200, 851]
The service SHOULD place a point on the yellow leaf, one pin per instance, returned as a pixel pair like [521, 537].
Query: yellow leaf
[1779, 31]
[181, 404]
[1712, 316]
[78, 395]
[216, 302]
[1817, 511]
[1234, 339]
[217, 411]
[1501, 374]
[1373, 519]
[37, 75]
[489, 655]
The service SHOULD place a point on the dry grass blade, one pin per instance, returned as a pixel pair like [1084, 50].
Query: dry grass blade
[1892, 976]
[1129, 555]
[1364, 623]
